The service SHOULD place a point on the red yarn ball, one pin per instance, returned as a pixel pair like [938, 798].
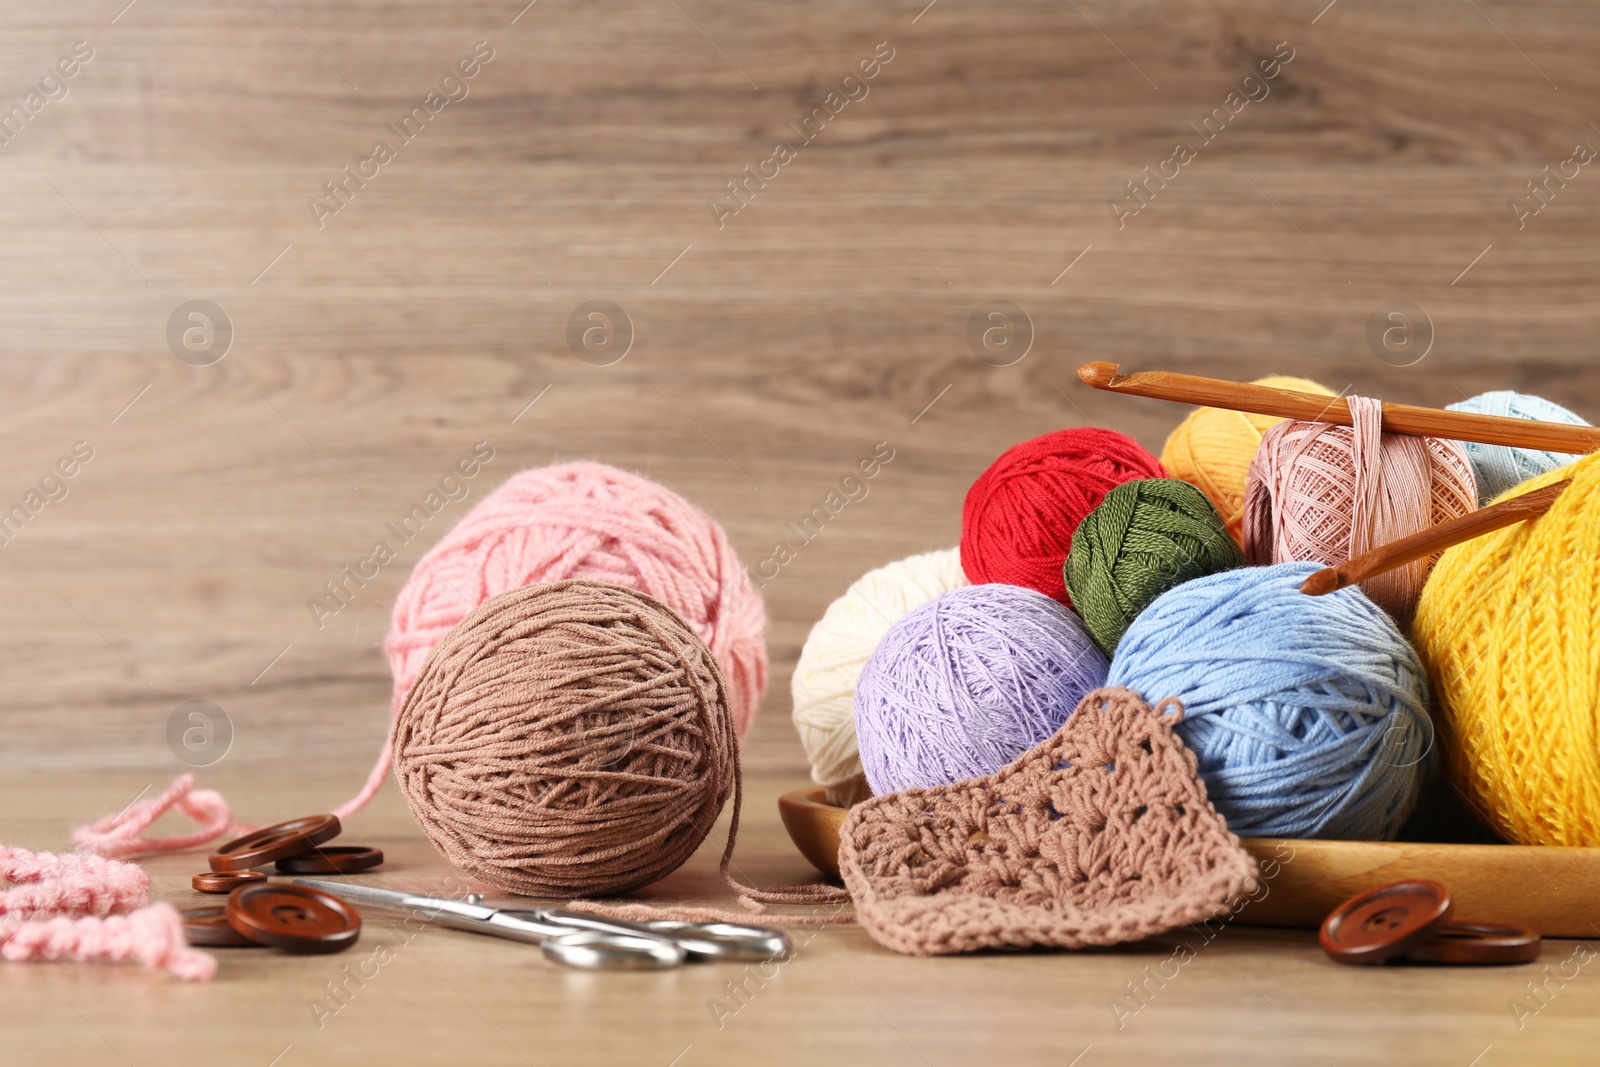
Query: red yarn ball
[1018, 521]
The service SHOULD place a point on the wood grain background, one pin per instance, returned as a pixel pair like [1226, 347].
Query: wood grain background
[768, 355]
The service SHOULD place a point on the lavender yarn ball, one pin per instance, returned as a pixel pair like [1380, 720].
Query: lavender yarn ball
[968, 682]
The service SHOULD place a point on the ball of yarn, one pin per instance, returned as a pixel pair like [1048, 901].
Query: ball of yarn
[1017, 523]
[1212, 448]
[1307, 714]
[1500, 467]
[567, 739]
[1509, 627]
[824, 685]
[1325, 493]
[588, 520]
[1144, 538]
[968, 682]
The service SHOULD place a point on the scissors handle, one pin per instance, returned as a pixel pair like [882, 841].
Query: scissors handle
[702, 941]
[589, 950]
[593, 950]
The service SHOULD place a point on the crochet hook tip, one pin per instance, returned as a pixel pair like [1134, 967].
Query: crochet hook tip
[1099, 374]
[1322, 582]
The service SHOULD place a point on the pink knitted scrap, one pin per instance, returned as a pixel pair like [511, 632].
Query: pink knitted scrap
[79, 906]
[45, 884]
[151, 936]
[1100, 835]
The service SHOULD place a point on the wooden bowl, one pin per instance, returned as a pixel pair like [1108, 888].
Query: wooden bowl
[814, 826]
[1548, 889]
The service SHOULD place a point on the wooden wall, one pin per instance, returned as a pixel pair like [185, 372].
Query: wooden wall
[768, 355]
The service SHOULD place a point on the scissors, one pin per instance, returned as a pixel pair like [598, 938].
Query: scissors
[578, 939]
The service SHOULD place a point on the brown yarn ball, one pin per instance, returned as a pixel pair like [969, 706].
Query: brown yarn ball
[567, 739]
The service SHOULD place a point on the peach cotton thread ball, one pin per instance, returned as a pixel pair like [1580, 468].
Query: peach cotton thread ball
[1019, 516]
[1322, 493]
[1212, 448]
[593, 521]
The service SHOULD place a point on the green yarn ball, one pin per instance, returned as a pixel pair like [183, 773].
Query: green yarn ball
[1144, 538]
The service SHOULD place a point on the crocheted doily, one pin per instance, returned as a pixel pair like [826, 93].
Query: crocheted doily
[1100, 835]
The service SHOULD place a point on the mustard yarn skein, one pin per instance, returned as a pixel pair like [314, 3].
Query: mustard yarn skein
[1509, 629]
[1212, 448]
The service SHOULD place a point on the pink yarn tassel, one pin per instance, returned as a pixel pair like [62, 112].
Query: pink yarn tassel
[117, 835]
[152, 936]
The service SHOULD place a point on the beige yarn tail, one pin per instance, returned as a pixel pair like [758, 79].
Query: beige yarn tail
[643, 913]
[752, 898]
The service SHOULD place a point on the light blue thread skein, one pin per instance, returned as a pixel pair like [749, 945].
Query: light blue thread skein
[1307, 714]
[969, 681]
[1497, 468]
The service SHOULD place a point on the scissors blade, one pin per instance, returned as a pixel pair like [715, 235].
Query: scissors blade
[588, 950]
[397, 900]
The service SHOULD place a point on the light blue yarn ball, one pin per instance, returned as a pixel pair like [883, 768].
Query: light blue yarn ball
[1307, 714]
[1497, 468]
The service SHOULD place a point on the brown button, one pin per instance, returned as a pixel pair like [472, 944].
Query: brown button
[275, 843]
[1383, 923]
[209, 927]
[295, 918]
[1478, 943]
[333, 859]
[225, 881]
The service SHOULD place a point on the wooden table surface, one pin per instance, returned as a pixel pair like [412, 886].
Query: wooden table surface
[421, 994]
[767, 349]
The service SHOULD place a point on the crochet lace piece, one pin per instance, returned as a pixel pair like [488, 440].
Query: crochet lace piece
[1100, 835]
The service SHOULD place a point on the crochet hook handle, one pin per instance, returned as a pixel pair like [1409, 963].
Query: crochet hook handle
[1425, 543]
[1292, 404]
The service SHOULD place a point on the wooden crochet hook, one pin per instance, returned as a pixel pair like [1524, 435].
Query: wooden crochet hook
[1293, 404]
[1425, 543]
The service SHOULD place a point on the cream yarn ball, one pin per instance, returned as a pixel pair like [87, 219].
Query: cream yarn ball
[824, 685]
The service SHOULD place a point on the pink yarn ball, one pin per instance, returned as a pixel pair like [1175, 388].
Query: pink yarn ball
[588, 520]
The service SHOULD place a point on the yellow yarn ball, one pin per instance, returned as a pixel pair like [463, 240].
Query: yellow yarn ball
[1212, 450]
[824, 686]
[1509, 628]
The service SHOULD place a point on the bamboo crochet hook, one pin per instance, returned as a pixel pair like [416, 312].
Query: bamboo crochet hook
[1425, 543]
[1292, 404]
